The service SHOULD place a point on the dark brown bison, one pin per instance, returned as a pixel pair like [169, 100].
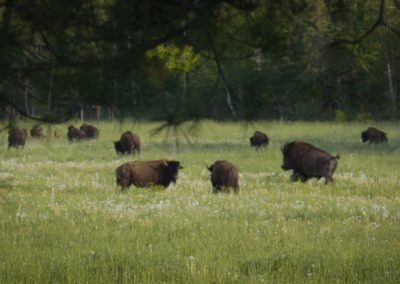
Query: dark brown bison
[259, 139]
[308, 161]
[373, 135]
[90, 131]
[224, 175]
[17, 137]
[75, 133]
[147, 173]
[37, 131]
[128, 143]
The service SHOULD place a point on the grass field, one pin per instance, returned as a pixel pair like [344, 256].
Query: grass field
[62, 218]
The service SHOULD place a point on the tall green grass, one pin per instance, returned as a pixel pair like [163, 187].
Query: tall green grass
[62, 218]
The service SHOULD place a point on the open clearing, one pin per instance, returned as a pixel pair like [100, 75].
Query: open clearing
[62, 218]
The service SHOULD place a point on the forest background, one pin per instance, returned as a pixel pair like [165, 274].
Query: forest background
[188, 60]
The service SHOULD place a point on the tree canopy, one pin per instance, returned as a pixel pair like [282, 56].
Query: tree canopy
[185, 60]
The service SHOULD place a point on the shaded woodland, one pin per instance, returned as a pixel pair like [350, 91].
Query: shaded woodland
[188, 60]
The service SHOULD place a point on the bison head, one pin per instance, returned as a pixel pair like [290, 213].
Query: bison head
[364, 136]
[287, 165]
[117, 146]
[173, 168]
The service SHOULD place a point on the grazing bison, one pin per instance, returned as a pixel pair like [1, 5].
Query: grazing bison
[224, 175]
[128, 143]
[259, 139]
[90, 131]
[308, 161]
[17, 137]
[147, 173]
[37, 131]
[373, 135]
[75, 133]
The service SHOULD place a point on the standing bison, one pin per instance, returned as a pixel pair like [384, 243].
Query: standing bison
[147, 173]
[37, 131]
[308, 161]
[17, 137]
[259, 139]
[373, 135]
[90, 131]
[224, 175]
[128, 143]
[75, 133]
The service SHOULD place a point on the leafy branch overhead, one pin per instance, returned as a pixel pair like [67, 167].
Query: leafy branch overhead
[242, 59]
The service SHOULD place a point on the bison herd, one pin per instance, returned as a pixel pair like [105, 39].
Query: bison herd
[305, 160]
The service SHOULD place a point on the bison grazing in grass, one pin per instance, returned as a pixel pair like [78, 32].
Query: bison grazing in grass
[147, 173]
[90, 131]
[373, 135]
[17, 137]
[308, 161]
[75, 133]
[128, 143]
[37, 131]
[259, 139]
[224, 175]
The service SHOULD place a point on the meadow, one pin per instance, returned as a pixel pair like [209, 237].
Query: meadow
[63, 219]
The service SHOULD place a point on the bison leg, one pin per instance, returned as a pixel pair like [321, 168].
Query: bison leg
[294, 177]
[328, 179]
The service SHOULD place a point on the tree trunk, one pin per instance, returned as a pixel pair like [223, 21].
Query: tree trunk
[392, 87]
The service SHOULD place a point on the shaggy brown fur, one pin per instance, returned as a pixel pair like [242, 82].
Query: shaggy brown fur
[75, 133]
[147, 173]
[374, 135]
[90, 131]
[224, 175]
[37, 131]
[17, 137]
[128, 143]
[308, 161]
[259, 139]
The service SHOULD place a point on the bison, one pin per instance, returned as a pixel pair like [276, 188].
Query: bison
[90, 131]
[373, 135]
[37, 131]
[75, 133]
[259, 139]
[147, 173]
[17, 137]
[308, 161]
[128, 143]
[224, 175]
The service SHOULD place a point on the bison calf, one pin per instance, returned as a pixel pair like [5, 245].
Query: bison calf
[17, 137]
[90, 131]
[224, 175]
[128, 143]
[373, 135]
[259, 139]
[147, 173]
[308, 161]
[37, 131]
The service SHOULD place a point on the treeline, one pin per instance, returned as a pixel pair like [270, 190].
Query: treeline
[186, 60]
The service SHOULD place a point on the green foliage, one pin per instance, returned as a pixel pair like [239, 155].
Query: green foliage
[340, 116]
[364, 116]
[64, 220]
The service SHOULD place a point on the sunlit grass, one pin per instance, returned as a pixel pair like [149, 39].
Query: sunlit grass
[62, 218]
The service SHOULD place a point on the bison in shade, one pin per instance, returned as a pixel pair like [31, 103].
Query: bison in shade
[147, 173]
[373, 135]
[75, 133]
[17, 137]
[90, 131]
[259, 139]
[308, 161]
[128, 143]
[37, 131]
[224, 175]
